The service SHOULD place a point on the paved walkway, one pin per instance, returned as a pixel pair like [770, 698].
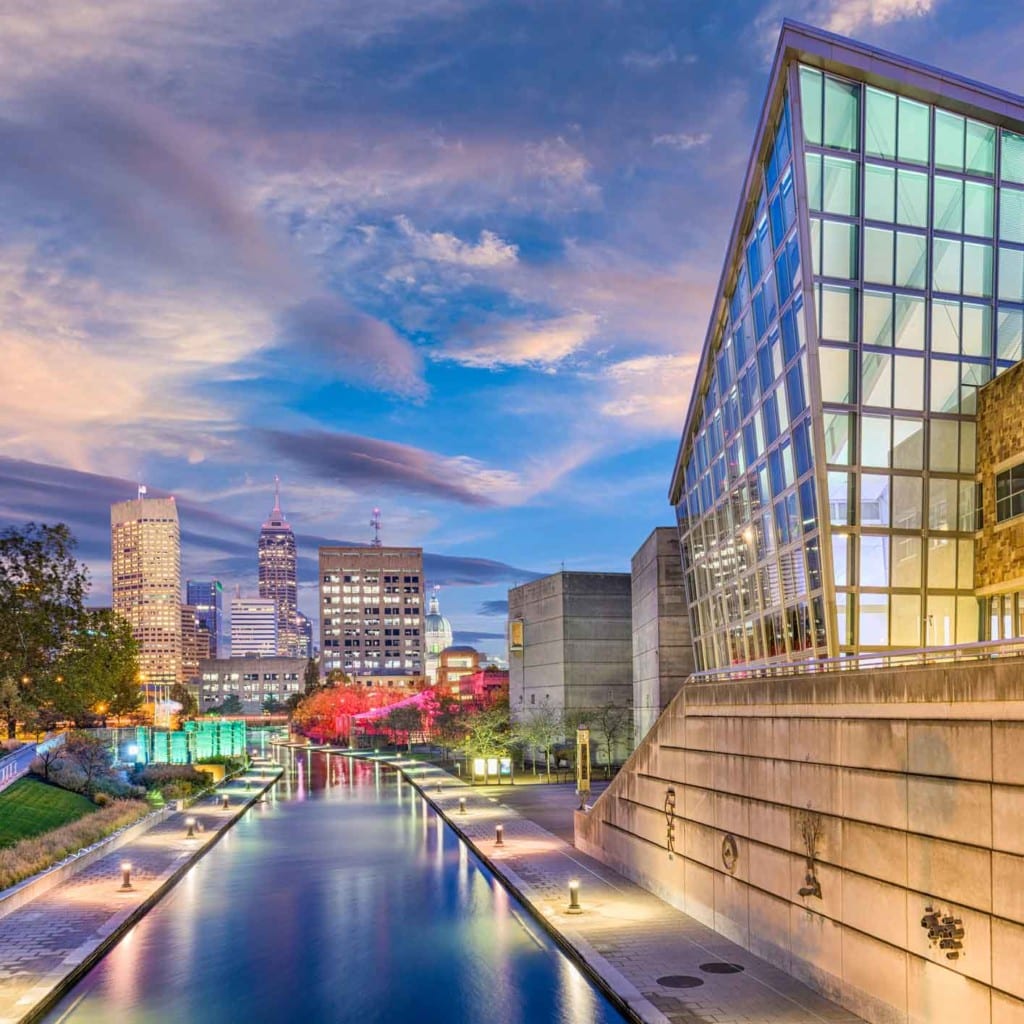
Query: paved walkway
[550, 805]
[52, 941]
[664, 965]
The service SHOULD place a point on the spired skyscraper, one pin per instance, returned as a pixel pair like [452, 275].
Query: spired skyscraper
[278, 576]
[145, 568]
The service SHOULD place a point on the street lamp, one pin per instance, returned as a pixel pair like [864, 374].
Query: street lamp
[126, 876]
[191, 822]
[574, 898]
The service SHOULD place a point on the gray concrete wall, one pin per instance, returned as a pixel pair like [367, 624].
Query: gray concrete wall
[662, 643]
[904, 789]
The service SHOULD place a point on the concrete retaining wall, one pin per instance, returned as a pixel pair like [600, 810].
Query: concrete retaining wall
[888, 792]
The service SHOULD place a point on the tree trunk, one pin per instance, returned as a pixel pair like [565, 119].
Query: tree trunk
[12, 728]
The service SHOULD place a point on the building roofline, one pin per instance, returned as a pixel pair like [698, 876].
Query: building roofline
[858, 61]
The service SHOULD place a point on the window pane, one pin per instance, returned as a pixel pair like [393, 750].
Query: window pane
[880, 132]
[942, 514]
[878, 318]
[839, 186]
[967, 614]
[968, 489]
[978, 208]
[874, 440]
[878, 255]
[977, 269]
[981, 148]
[876, 379]
[873, 620]
[906, 510]
[938, 623]
[1010, 334]
[943, 448]
[946, 265]
[976, 330]
[839, 501]
[836, 379]
[874, 561]
[908, 383]
[906, 618]
[842, 114]
[912, 198]
[874, 501]
[909, 322]
[908, 443]
[813, 164]
[945, 386]
[1011, 274]
[945, 326]
[949, 141]
[911, 260]
[837, 312]
[949, 204]
[841, 558]
[913, 131]
[968, 446]
[879, 193]
[1011, 215]
[810, 101]
[837, 438]
[838, 249]
[1013, 158]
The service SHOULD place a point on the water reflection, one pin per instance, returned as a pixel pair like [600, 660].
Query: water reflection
[344, 898]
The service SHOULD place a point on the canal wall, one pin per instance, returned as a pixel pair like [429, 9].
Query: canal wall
[863, 831]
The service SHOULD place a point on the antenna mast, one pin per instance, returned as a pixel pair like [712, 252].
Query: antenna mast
[375, 526]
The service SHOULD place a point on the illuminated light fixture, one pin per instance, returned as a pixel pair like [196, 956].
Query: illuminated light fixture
[574, 898]
[462, 805]
[224, 801]
[191, 833]
[126, 876]
[499, 835]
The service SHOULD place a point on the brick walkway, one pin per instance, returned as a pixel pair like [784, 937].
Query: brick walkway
[663, 964]
[54, 939]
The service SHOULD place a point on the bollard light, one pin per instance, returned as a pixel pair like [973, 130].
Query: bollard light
[439, 787]
[574, 898]
[126, 876]
[499, 835]
[191, 822]
[224, 801]
[462, 805]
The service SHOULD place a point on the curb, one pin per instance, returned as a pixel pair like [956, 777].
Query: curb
[52, 991]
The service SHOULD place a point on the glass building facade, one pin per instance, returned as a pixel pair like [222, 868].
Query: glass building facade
[826, 489]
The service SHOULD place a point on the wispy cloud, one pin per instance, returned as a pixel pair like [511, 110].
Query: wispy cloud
[682, 140]
[542, 344]
[649, 394]
[651, 60]
[444, 247]
[496, 607]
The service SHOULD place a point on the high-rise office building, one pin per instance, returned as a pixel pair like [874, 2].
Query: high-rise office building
[305, 633]
[195, 644]
[825, 486]
[145, 563]
[253, 627]
[278, 578]
[207, 597]
[371, 613]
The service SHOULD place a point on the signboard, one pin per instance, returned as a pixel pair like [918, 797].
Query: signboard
[582, 763]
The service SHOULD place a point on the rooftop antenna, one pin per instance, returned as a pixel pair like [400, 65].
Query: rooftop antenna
[375, 526]
[142, 491]
[276, 514]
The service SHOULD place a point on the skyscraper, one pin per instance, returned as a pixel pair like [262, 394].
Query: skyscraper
[371, 613]
[278, 578]
[253, 627]
[145, 562]
[826, 488]
[207, 597]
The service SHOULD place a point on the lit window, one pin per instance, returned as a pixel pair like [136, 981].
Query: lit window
[1010, 493]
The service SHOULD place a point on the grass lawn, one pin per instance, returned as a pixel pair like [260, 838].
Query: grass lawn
[31, 807]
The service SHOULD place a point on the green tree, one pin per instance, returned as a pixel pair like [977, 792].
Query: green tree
[540, 729]
[272, 706]
[404, 720]
[186, 698]
[311, 678]
[337, 678]
[42, 588]
[610, 725]
[90, 756]
[449, 723]
[232, 705]
[488, 731]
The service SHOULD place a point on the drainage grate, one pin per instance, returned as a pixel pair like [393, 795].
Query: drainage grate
[721, 968]
[680, 981]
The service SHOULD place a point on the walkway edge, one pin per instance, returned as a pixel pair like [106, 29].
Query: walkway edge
[52, 990]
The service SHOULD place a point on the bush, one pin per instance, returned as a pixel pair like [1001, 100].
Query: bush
[185, 779]
[101, 799]
[30, 856]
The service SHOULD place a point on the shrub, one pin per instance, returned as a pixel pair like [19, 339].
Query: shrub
[101, 799]
[175, 781]
[30, 856]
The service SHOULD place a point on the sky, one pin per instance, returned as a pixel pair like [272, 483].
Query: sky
[449, 258]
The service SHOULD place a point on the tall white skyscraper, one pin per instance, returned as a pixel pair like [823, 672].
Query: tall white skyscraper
[278, 575]
[145, 563]
[253, 626]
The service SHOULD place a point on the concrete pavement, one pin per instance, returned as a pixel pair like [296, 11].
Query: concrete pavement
[51, 942]
[659, 963]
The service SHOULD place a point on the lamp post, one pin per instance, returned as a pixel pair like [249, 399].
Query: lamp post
[462, 805]
[499, 835]
[126, 876]
[574, 898]
[191, 833]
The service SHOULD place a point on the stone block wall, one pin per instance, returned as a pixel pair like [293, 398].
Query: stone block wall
[815, 819]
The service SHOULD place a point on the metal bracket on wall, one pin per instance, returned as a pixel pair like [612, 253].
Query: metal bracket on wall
[945, 930]
[670, 821]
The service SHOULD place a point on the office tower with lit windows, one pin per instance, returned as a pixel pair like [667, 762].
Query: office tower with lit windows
[254, 627]
[207, 597]
[145, 564]
[826, 486]
[278, 575]
[371, 614]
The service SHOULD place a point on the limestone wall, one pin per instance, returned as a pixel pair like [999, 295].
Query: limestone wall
[887, 793]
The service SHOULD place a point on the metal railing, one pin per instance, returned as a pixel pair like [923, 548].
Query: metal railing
[985, 650]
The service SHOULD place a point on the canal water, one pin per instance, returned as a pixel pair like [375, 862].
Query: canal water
[342, 898]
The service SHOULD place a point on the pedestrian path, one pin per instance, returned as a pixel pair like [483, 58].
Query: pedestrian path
[664, 965]
[49, 943]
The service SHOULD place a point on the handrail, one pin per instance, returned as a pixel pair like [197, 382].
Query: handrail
[916, 656]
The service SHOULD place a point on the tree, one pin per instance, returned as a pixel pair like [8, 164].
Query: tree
[408, 720]
[336, 677]
[272, 706]
[487, 730]
[609, 724]
[311, 678]
[231, 706]
[186, 698]
[42, 588]
[90, 755]
[541, 728]
[448, 722]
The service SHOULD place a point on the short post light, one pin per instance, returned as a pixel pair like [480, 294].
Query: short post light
[462, 805]
[225, 801]
[191, 833]
[574, 898]
[126, 876]
[499, 835]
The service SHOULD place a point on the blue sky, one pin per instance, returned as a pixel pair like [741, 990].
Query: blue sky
[451, 258]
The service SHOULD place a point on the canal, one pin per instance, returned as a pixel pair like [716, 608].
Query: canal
[343, 897]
